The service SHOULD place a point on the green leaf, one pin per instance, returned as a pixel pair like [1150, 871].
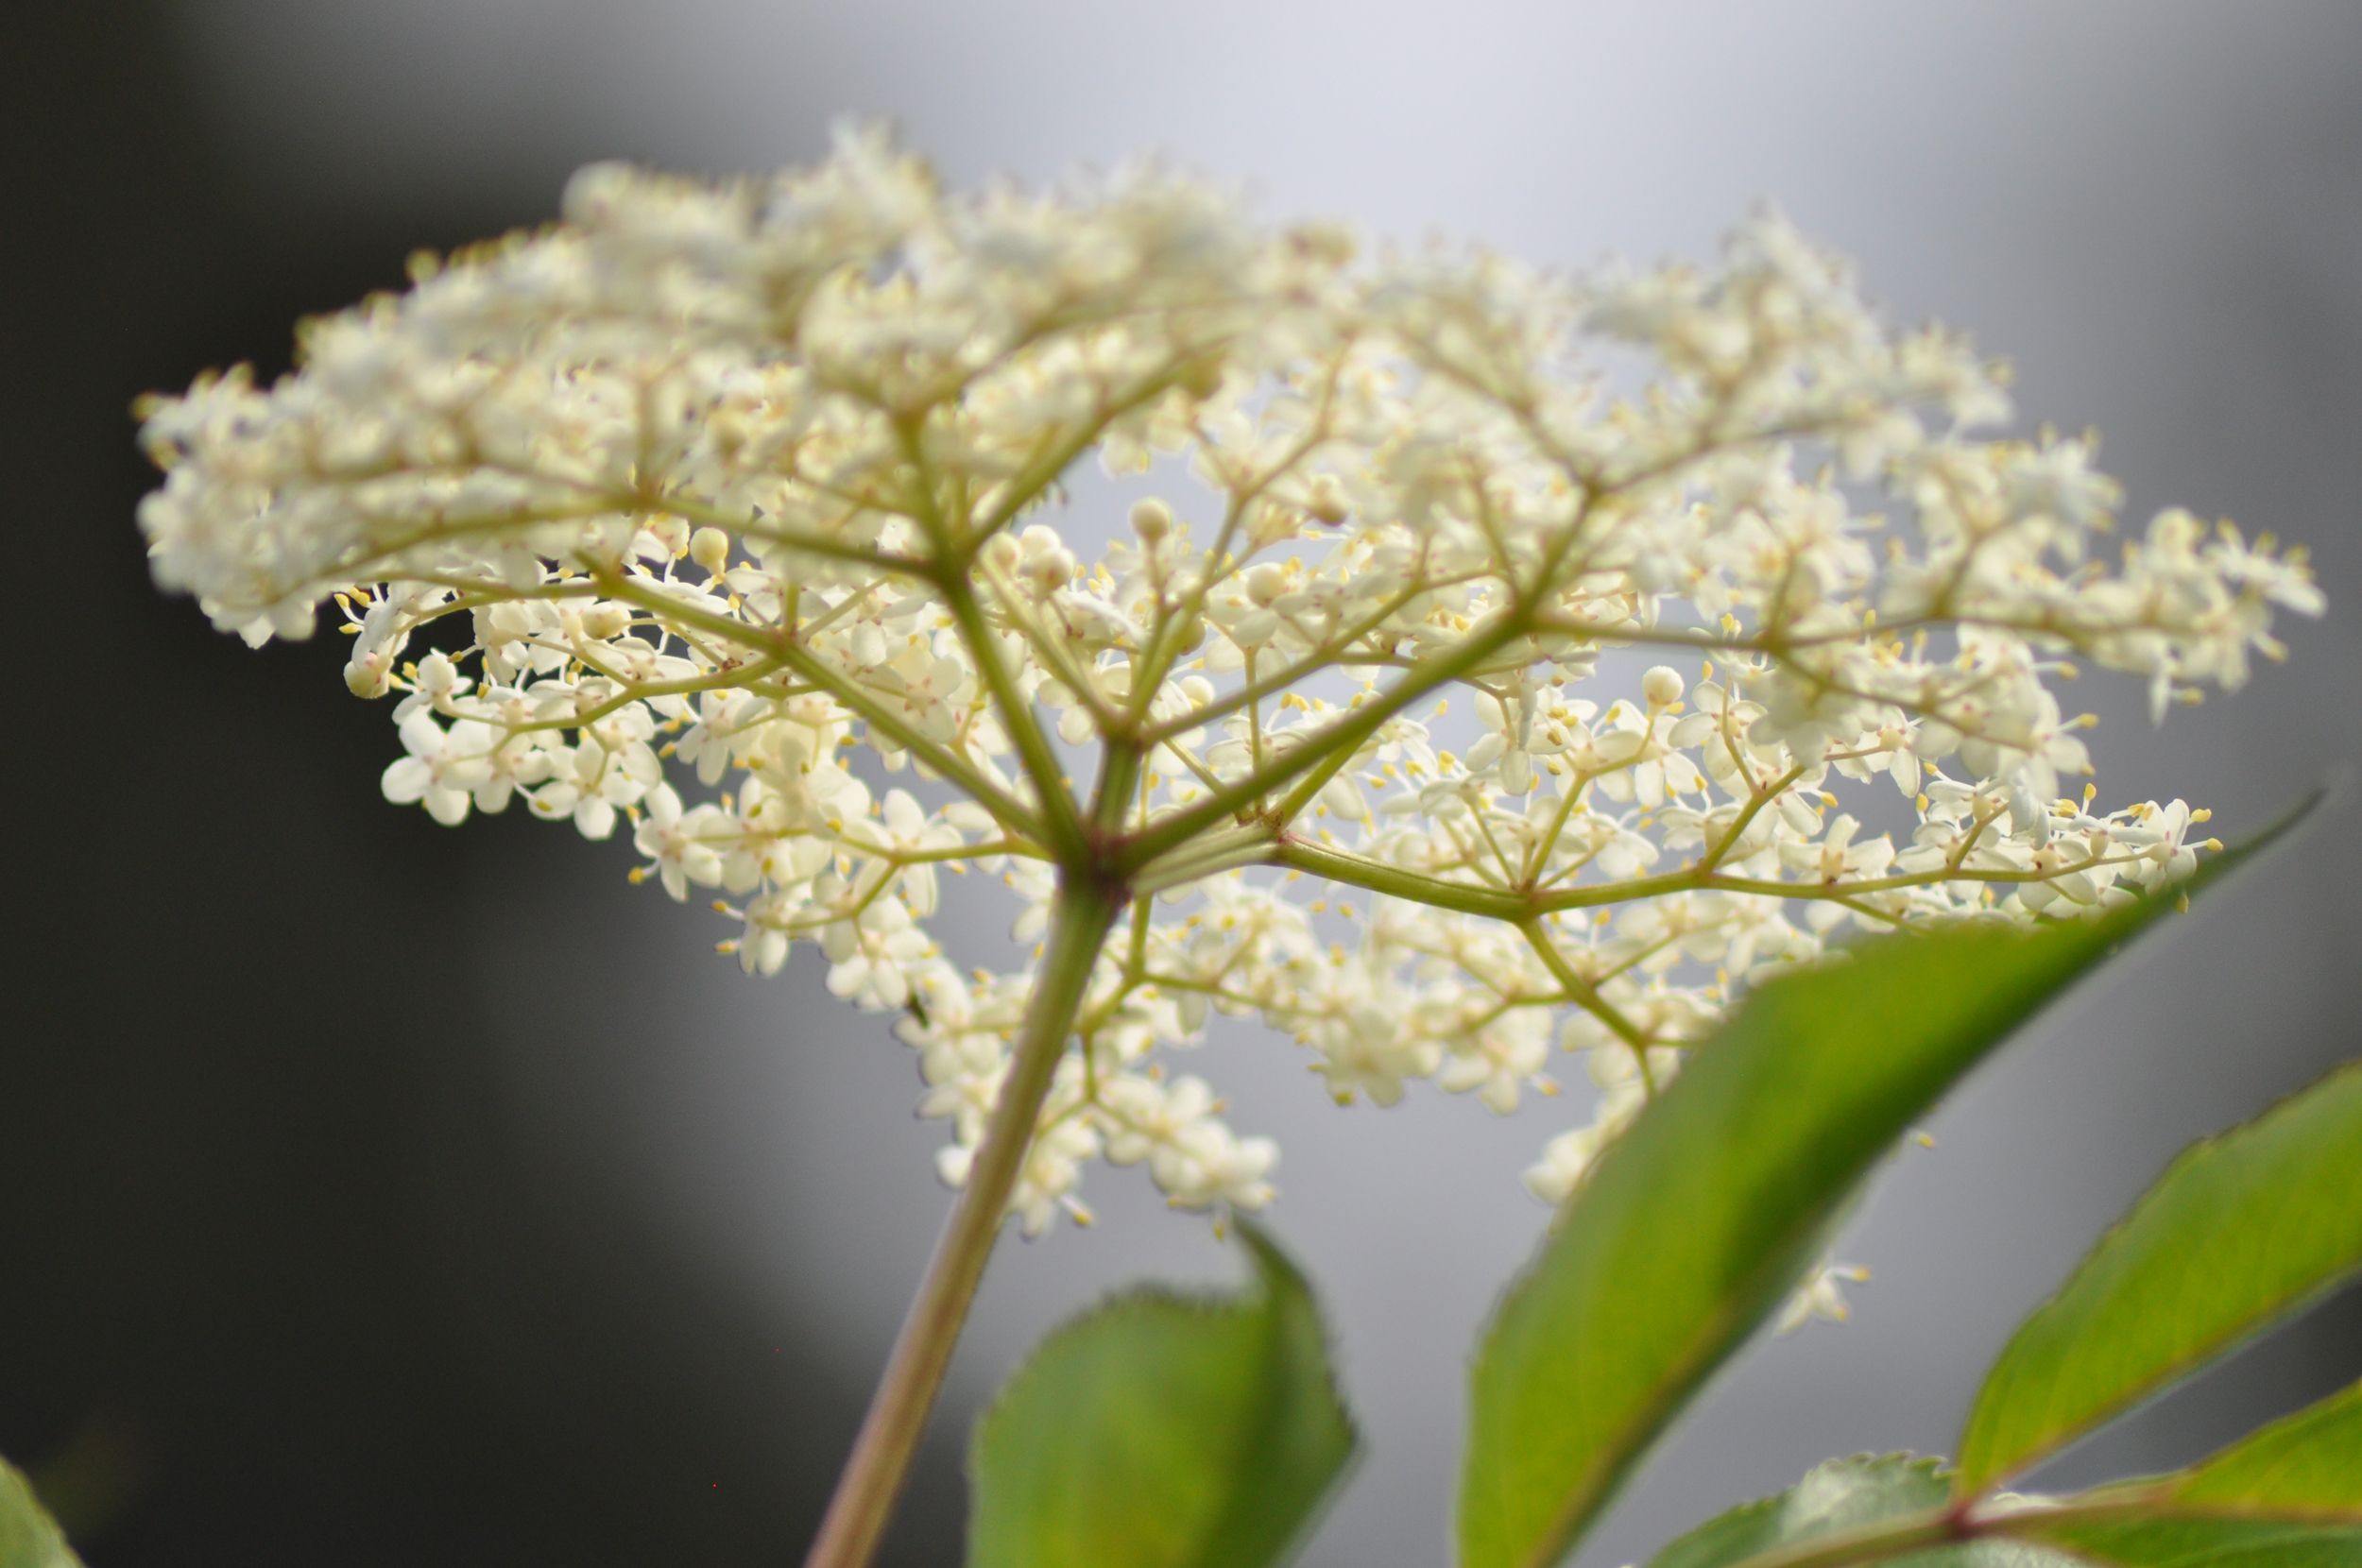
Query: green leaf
[1842, 1495]
[1161, 1431]
[2309, 1464]
[2241, 1230]
[1838, 1495]
[28, 1537]
[2204, 1543]
[1711, 1207]
[2290, 1496]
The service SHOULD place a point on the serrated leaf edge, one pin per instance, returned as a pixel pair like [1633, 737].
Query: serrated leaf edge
[2245, 1332]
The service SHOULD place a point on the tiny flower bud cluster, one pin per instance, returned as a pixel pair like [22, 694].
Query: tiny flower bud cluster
[725, 516]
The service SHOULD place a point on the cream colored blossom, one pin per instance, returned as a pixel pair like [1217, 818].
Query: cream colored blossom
[734, 513]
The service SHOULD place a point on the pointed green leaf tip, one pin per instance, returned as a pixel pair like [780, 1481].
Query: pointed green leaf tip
[28, 1537]
[1165, 1431]
[2240, 1232]
[1710, 1209]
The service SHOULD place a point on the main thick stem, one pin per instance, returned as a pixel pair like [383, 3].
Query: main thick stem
[1080, 919]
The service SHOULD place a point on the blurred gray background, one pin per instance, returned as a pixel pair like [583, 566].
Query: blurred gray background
[382, 1194]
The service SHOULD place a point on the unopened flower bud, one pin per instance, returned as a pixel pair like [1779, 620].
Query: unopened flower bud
[606, 620]
[711, 548]
[1051, 569]
[1152, 520]
[366, 674]
[1324, 498]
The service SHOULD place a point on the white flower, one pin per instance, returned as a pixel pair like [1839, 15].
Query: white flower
[1499, 1060]
[444, 769]
[751, 495]
[875, 955]
[1837, 858]
[2161, 833]
[1821, 1296]
[906, 831]
[676, 841]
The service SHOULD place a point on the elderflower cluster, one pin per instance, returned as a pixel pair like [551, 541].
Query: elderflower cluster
[726, 518]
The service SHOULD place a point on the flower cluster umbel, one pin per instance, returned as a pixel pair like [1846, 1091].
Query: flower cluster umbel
[721, 514]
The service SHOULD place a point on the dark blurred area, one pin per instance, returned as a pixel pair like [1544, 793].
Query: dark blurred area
[302, 1257]
[275, 1286]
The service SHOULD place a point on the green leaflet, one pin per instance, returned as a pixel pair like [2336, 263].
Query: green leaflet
[1713, 1205]
[2309, 1464]
[1845, 1494]
[2290, 1496]
[2202, 1543]
[1159, 1431]
[28, 1537]
[1838, 1496]
[2240, 1231]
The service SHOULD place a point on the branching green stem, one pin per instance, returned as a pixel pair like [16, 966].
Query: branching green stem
[1033, 747]
[1519, 904]
[1337, 738]
[783, 645]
